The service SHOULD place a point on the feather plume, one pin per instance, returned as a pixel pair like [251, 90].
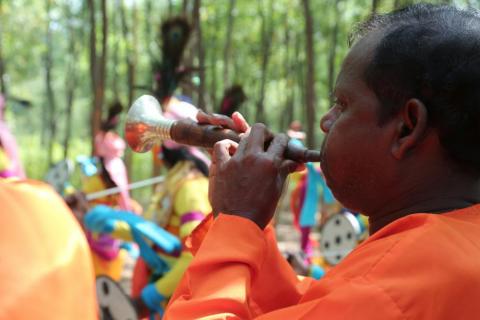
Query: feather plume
[174, 34]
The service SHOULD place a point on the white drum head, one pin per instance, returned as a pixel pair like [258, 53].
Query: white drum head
[339, 236]
[114, 304]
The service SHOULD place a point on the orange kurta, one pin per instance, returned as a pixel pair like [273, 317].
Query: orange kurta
[423, 266]
[45, 267]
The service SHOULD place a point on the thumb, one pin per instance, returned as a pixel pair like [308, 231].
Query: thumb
[289, 166]
[222, 151]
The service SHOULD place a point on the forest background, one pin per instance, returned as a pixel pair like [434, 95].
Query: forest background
[63, 62]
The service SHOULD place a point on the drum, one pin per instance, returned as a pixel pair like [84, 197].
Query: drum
[339, 235]
[113, 303]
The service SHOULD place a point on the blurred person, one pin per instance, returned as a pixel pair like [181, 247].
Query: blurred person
[10, 164]
[108, 255]
[46, 270]
[178, 205]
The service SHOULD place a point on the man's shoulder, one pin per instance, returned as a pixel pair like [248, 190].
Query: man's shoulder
[414, 240]
[415, 259]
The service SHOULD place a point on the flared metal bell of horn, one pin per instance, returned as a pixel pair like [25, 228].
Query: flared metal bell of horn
[146, 125]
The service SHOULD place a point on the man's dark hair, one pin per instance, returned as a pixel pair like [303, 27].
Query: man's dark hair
[432, 53]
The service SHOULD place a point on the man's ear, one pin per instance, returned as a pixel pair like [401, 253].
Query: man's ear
[412, 125]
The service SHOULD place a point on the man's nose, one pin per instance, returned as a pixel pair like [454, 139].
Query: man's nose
[327, 121]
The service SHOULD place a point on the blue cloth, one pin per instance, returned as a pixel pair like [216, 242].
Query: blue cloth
[102, 219]
[88, 165]
[316, 272]
[310, 203]
[152, 298]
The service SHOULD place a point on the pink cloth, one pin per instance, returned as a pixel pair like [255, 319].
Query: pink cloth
[9, 144]
[110, 146]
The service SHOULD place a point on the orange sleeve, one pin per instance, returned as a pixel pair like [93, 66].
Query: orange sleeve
[238, 273]
[233, 278]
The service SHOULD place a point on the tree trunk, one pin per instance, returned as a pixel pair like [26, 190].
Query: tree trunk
[70, 81]
[201, 53]
[297, 90]
[97, 67]
[266, 43]
[375, 4]
[130, 36]
[185, 7]
[213, 49]
[310, 79]
[228, 43]
[3, 86]
[52, 124]
[300, 74]
[332, 53]
[286, 118]
[148, 31]
[117, 26]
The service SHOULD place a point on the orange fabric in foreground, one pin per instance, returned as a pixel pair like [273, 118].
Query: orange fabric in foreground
[423, 266]
[45, 267]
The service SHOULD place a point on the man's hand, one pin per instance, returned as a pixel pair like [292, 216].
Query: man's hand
[250, 182]
[236, 123]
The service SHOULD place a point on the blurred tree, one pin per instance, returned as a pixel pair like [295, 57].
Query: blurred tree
[228, 42]
[310, 78]
[71, 76]
[197, 27]
[130, 39]
[98, 62]
[333, 51]
[267, 28]
[3, 88]
[50, 123]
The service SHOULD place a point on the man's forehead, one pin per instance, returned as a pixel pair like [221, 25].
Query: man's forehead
[358, 58]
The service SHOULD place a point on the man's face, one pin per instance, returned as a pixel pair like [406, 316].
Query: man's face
[356, 158]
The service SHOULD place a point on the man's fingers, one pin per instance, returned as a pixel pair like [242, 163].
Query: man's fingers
[222, 151]
[278, 145]
[240, 123]
[202, 117]
[289, 166]
[256, 139]
[217, 120]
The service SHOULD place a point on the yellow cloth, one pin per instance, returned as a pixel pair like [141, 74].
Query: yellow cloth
[112, 268]
[185, 191]
[4, 160]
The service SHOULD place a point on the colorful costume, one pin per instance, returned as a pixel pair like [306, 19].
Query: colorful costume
[110, 147]
[422, 266]
[10, 165]
[108, 258]
[45, 269]
[304, 205]
[181, 202]
[179, 205]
